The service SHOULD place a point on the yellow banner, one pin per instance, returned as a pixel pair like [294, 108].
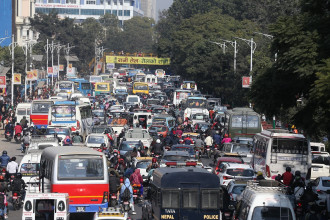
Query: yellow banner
[32, 75]
[17, 79]
[138, 60]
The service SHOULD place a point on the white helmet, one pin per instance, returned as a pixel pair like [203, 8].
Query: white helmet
[158, 141]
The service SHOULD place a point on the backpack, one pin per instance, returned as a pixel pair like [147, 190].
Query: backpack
[126, 194]
[16, 185]
[2, 201]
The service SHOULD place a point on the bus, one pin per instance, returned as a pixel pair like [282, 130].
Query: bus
[73, 114]
[189, 85]
[83, 86]
[95, 79]
[40, 111]
[140, 88]
[23, 109]
[67, 86]
[276, 149]
[242, 122]
[102, 88]
[180, 95]
[151, 79]
[195, 105]
[79, 171]
[183, 193]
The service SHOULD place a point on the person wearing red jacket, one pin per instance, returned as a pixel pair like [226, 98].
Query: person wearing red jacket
[18, 129]
[287, 177]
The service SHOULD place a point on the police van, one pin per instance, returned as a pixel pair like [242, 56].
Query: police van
[265, 199]
[183, 193]
[46, 206]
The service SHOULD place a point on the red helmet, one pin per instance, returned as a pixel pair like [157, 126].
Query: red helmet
[154, 160]
[226, 135]
[121, 160]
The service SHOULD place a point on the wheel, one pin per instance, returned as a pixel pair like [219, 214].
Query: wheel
[209, 154]
[113, 203]
[16, 205]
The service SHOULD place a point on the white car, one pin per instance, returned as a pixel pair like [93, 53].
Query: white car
[321, 186]
[142, 163]
[95, 140]
[235, 188]
[234, 171]
[320, 164]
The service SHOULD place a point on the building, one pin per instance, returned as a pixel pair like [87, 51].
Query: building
[149, 8]
[7, 25]
[82, 9]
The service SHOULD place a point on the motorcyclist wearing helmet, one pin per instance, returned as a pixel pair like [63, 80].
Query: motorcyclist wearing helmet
[199, 144]
[9, 128]
[25, 141]
[260, 176]
[157, 148]
[188, 140]
[67, 141]
[154, 164]
[287, 177]
[18, 129]
[114, 182]
[18, 185]
[77, 138]
[217, 138]
[4, 159]
[226, 139]
[298, 181]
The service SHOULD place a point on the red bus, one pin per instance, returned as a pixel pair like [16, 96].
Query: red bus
[39, 112]
[79, 171]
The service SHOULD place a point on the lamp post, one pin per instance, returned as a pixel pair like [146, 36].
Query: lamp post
[46, 49]
[12, 51]
[269, 37]
[58, 50]
[67, 51]
[253, 47]
[223, 46]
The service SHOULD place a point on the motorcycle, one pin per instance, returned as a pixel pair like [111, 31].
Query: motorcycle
[16, 200]
[8, 136]
[125, 205]
[18, 137]
[113, 200]
[208, 151]
[25, 147]
[136, 192]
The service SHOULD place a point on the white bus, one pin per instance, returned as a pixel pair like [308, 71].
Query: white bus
[180, 95]
[23, 109]
[73, 114]
[79, 171]
[276, 149]
[68, 86]
[151, 79]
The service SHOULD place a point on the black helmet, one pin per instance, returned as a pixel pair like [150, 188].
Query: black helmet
[297, 173]
[103, 145]
[288, 169]
[4, 152]
[19, 175]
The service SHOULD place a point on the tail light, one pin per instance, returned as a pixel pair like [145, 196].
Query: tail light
[135, 191]
[105, 197]
[78, 124]
[227, 214]
[50, 122]
[267, 171]
[15, 194]
[299, 204]
[319, 191]
[121, 179]
[3, 169]
[227, 177]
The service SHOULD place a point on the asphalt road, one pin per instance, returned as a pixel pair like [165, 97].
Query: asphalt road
[13, 149]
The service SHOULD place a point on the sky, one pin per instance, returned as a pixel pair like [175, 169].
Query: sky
[163, 4]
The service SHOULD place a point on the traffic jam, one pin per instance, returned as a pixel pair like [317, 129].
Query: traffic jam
[153, 146]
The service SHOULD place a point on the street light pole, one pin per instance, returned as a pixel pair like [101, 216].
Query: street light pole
[13, 45]
[58, 50]
[47, 64]
[52, 51]
[269, 37]
[67, 51]
[253, 47]
[234, 45]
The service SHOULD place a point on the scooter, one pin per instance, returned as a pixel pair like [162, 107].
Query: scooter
[18, 137]
[136, 193]
[16, 200]
[8, 136]
[113, 200]
[125, 205]
[25, 147]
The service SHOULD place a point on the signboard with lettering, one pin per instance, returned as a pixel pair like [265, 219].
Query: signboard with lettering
[17, 79]
[61, 67]
[2, 82]
[138, 60]
[246, 81]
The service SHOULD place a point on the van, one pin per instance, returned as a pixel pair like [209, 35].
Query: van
[29, 168]
[46, 206]
[23, 109]
[318, 147]
[165, 119]
[134, 99]
[264, 200]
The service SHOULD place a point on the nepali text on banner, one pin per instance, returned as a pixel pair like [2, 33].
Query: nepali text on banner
[138, 60]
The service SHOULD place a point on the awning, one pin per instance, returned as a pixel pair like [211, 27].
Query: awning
[41, 84]
[37, 57]
[4, 70]
[72, 58]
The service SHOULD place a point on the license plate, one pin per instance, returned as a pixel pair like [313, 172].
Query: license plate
[80, 209]
[125, 203]
[134, 195]
[207, 149]
[14, 197]
[113, 197]
[315, 169]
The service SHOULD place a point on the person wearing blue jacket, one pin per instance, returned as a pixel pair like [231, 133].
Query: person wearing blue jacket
[127, 184]
[4, 159]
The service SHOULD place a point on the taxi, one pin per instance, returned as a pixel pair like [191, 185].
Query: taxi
[110, 213]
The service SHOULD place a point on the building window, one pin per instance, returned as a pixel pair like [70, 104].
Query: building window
[114, 12]
[127, 13]
[71, 1]
[92, 12]
[109, 2]
[91, 2]
[54, 1]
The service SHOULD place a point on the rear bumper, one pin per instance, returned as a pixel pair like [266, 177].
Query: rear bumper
[75, 208]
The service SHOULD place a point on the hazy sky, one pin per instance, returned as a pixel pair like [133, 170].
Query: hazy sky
[163, 4]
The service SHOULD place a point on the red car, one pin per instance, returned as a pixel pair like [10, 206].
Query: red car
[160, 129]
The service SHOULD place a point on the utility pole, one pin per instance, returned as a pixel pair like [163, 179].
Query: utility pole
[12, 51]
[270, 37]
[58, 50]
[28, 48]
[234, 45]
[67, 51]
[46, 49]
[52, 51]
[253, 47]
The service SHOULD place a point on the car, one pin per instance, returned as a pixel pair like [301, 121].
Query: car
[156, 129]
[110, 213]
[227, 160]
[95, 140]
[61, 131]
[127, 146]
[204, 126]
[139, 134]
[182, 147]
[174, 156]
[321, 186]
[320, 164]
[242, 150]
[231, 171]
[142, 163]
[243, 140]
[234, 189]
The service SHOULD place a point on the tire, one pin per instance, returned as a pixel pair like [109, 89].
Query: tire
[17, 205]
[113, 203]
[209, 154]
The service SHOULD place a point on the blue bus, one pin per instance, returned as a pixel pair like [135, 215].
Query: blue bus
[83, 86]
[183, 193]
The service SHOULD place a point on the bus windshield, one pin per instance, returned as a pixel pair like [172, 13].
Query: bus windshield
[197, 103]
[22, 111]
[102, 87]
[95, 79]
[65, 85]
[65, 131]
[85, 86]
[250, 121]
[289, 146]
[182, 95]
[63, 111]
[95, 140]
[41, 107]
[30, 169]
[87, 167]
[140, 87]
[133, 99]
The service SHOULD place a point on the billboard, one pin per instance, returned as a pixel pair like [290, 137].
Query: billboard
[17, 79]
[246, 81]
[2, 82]
[138, 60]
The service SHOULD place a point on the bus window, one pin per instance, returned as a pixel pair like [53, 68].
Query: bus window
[170, 199]
[80, 168]
[210, 199]
[85, 86]
[41, 107]
[190, 199]
[102, 87]
[289, 146]
[21, 111]
[65, 85]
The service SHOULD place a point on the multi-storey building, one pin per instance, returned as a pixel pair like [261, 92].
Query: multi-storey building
[149, 8]
[82, 9]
